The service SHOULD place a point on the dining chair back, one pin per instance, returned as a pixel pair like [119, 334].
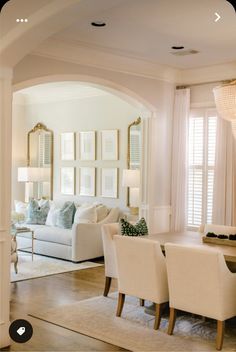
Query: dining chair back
[141, 272]
[108, 233]
[200, 283]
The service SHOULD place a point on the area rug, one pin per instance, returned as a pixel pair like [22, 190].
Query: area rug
[44, 266]
[134, 330]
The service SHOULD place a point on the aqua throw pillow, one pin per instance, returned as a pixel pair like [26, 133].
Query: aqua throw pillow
[128, 229]
[66, 216]
[37, 215]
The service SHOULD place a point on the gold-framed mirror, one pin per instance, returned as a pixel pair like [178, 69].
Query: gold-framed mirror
[134, 144]
[134, 153]
[40, 155]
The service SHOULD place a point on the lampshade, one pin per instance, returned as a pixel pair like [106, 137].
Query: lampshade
[225, 99]
[33, 174]
[131, 178]
[134, 197]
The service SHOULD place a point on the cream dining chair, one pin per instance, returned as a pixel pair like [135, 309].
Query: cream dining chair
[141, 272]
[200, 283]
[108, 232]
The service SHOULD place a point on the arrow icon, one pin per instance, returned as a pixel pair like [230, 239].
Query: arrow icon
[217, 17]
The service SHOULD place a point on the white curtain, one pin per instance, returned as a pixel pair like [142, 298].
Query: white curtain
[225, 176]
[179, 160]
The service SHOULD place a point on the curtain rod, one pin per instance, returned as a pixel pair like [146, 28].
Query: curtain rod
[204, 83]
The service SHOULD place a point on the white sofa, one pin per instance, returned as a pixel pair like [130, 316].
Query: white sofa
[81, 242]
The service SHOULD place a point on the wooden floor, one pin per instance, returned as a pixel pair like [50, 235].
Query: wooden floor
[52, 291]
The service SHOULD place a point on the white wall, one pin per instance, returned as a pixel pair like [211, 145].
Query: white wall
[93, 113]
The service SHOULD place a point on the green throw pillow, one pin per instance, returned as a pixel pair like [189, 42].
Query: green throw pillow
[66, 216]
[36, 214]
[139, 229]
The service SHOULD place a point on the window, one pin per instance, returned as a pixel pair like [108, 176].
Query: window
[201, 165]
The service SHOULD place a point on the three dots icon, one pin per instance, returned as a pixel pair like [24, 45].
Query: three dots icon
[22, 20]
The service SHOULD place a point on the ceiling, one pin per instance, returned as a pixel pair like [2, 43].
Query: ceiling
[58, 91]
[147, 29]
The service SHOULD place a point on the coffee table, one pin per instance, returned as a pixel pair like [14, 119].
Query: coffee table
[18, 230]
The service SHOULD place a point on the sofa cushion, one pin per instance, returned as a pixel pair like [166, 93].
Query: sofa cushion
[37, 214]
[102, 212]
[86, 215]
[50, 234]
[66, 216]
[52, 215]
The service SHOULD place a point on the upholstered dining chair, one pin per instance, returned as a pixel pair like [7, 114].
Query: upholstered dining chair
[141, 272]
[200, 283]
[108, 232]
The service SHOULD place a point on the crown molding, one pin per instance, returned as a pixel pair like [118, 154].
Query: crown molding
[27, 99]
[89, 55]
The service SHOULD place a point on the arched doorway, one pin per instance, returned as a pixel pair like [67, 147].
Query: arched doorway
[146, 111]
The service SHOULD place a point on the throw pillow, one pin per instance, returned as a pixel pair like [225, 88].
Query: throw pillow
[36, 214]
[52, 215]
[86, 215]
[102, 212]
[139, 229]
[66, 215]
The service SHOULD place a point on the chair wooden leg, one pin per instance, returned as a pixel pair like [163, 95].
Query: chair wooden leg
[220, 334]
[141, 302]
[107, 286]
[157, 316]
[121, 301]
[172, 319]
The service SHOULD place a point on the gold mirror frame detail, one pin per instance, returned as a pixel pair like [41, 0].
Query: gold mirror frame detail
[134, 123]
[41, 127]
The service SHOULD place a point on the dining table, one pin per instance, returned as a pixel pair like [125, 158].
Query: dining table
[192, 238]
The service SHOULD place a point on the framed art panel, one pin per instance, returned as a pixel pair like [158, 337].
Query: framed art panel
[87, 145]
[68, 180]
[87, 181]
[110, 144]
[68, 146]
[109, 177]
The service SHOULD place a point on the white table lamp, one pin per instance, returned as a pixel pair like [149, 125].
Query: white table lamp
[131, 179]
[29, 175]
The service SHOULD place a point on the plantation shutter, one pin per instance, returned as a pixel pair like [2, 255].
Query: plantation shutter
[201, 164]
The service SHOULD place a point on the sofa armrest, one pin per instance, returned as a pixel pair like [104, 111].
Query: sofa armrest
[86, 242]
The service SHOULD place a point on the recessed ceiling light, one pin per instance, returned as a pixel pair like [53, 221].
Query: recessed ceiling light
[98, 24]
[177, 47]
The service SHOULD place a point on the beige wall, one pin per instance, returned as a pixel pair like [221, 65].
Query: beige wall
[93, 113]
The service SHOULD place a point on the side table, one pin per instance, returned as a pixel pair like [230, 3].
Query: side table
[18, 230]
